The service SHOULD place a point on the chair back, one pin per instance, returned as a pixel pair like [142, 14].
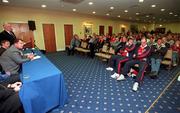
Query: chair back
[168, 55]
[111, 50]
[84, 44]
[104, 48]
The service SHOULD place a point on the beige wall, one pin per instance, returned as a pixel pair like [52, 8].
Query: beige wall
[174, 27]
[59, 18]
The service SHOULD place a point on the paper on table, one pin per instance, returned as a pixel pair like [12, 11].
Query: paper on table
[36, 57]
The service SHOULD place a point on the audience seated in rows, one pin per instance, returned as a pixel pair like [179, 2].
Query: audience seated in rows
[150, 48]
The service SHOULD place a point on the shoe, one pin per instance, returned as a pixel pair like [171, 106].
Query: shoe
[175, 65]
[115, 75]
[153, 77]
[109, 69]
[135, 86]
[121, 77]
[133, 75]
[178, 78]
[152, 73]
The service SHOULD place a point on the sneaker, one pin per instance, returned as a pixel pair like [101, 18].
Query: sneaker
[179, 78]
[135, 86]
[121, 77]
[115, 75]
[174, 64]
[109, 69]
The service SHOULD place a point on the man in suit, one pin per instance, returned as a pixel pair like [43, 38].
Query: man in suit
[12, 59]
[9, 100]
[7, 33]
[4, 45]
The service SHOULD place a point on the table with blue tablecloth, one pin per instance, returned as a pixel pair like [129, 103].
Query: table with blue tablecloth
[43, 86]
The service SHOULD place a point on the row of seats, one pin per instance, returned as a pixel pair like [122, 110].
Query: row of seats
[105, 53]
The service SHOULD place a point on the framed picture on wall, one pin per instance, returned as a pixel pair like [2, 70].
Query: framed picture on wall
[88, 29]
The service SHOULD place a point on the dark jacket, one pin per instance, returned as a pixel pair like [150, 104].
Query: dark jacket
[9, 100]
[4, 35]
[129, 50]
[158, 52]
[142, 56]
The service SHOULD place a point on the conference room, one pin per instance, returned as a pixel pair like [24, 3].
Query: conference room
[101, 56]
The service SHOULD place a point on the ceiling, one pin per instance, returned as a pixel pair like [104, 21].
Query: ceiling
[102, 7]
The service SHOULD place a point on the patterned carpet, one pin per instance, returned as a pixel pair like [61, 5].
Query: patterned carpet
[92, 90]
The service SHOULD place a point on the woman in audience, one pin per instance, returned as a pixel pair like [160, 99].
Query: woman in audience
[75, 42]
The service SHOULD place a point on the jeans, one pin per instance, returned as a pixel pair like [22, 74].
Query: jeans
[155, 64]
[175, 57]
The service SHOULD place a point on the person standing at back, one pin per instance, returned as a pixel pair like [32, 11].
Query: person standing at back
[7, 33]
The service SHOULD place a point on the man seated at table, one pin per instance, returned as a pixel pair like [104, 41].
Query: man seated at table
[9, 100]
[12, 59]
[4, 45]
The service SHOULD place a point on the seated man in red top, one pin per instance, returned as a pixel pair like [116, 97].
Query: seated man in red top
[123, 56]
[140, 58]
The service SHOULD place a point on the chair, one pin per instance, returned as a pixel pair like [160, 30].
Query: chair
[83, 48]
[167, 60]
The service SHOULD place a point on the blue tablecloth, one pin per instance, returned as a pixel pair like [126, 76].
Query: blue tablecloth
[43, 86]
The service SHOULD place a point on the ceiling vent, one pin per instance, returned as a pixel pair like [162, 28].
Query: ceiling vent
[73, 1]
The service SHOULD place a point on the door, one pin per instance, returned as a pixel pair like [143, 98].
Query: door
[21, 30]
[49, 37]
[101, 30]
[110, 30]
[68, 32]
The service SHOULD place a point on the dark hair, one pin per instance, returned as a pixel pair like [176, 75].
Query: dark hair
[17, 40]
[3, 41]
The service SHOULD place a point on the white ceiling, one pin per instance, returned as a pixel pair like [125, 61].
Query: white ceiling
[102, 7]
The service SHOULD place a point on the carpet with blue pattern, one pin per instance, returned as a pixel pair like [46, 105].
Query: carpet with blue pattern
[92, 90]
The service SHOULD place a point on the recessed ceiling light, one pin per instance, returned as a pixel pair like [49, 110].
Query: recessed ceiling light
[175, 15]
[90, 3]
[147, 16]
[94, 12]
[125, 11]
[5, 1]
[107, 14]
[74, 10]
[160, 25]
[162, 9]
[141, 0]
[43, 6]
[118, 16]
[111, 8]
[137, 13]
[153, 5]
[170, 13]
